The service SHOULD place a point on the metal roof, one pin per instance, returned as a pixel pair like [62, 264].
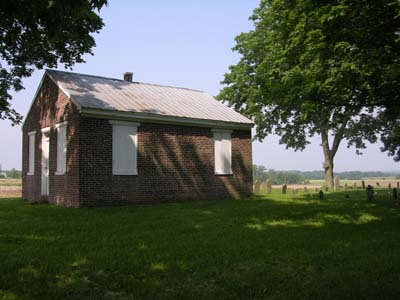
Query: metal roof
[95, 92]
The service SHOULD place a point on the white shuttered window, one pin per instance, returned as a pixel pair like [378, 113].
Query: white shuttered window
[61, 148]
[222, 152]
[31, 157]
[124, 148]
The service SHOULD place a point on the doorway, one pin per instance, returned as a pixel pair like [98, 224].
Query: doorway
[45, 161]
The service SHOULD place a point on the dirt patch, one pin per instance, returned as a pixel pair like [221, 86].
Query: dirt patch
[10, 191]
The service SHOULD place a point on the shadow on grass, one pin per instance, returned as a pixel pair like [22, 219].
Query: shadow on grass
[268, 246]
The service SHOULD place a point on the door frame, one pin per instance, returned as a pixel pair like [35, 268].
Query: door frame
[45, 162]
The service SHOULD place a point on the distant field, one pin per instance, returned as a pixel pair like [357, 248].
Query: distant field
[372, 181]
[10, 188]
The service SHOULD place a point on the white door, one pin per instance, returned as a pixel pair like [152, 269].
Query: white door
[45, 163]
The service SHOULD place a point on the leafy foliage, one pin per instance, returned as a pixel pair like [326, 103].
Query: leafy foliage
[42, 33]
[13, 173]
[327, 68]
[261, 174]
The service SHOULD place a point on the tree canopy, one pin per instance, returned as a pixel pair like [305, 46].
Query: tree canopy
[42, 33]
[326, 68]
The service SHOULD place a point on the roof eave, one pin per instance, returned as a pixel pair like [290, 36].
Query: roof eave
[163, 119]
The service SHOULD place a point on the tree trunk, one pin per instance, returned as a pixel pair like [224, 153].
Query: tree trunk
[330, 152]
[328, 168]
[328, 160]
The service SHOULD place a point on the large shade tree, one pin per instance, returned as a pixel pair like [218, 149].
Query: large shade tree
[326, 68]
[42, 33]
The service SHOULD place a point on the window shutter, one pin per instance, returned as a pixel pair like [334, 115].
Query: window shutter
[61, 148]
[219, 162]
[222, 152]
[31, 158]
[227, 155]
[124, 148]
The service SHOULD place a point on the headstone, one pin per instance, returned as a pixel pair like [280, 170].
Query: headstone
[370, 193]
[256, 187]
[346, 187]
[269, 186]
[395, 194]
[284, 189]
[378, 184]
[305, 189]
[263, 187]
[363, 184]
[336, 184]
[355, 185]
[321, 195]
[389, 186]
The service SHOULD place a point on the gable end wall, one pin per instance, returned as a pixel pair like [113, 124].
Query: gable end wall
[51, 107]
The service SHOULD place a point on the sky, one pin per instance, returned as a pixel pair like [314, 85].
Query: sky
[186, 44]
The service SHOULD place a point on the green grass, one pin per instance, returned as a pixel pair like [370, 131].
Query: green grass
[270, 246]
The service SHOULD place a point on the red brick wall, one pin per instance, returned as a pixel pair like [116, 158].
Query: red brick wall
[50, 107]
[174, 163]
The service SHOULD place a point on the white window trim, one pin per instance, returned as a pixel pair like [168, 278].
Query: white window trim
[129, 124]
[217, 130]
[124, 123]
[45, 129]
[222, 131]
[57, 172]
[29, 142]
[61, 124]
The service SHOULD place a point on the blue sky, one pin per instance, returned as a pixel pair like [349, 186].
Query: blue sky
[188, 44]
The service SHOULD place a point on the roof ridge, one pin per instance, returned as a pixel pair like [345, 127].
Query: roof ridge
[117, 79]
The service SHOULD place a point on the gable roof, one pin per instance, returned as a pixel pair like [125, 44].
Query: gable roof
[109, 96]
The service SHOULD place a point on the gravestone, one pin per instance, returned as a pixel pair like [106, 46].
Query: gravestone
[389, 186]
[263, 187]
[269, 186]
[284, 189]
[378, 184]
[336, 184]
[395, 194]
[321, 195]
[363, 184]
[355, 185]
[256, 187]
[305, 189]
[345, 187]
[370, 193]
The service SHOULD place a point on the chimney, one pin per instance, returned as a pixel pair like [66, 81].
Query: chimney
[128, 76]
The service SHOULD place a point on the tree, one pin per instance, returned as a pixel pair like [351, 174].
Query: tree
[323, 68]
[42, 33]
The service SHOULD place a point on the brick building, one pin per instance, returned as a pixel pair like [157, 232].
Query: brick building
[95, 141]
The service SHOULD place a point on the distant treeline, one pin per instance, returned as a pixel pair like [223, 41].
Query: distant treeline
[261, 173]
[13, 173]
[349, 175]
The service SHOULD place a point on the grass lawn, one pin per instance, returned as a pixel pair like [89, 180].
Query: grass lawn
[270, 246]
